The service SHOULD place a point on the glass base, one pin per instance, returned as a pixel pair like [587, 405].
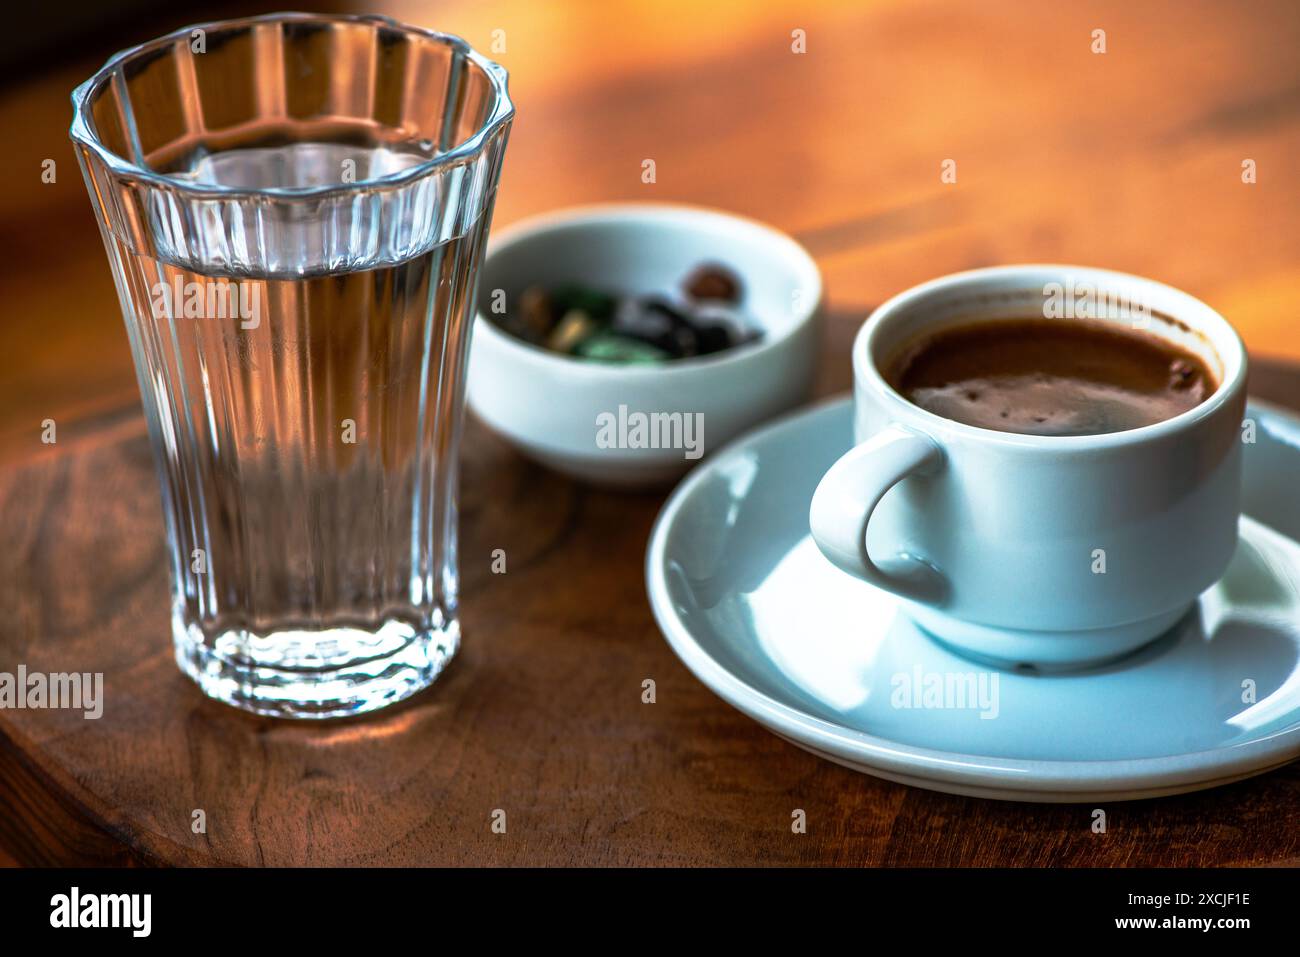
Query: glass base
[336, 688]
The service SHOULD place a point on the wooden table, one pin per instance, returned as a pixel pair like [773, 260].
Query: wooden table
[1129, 159]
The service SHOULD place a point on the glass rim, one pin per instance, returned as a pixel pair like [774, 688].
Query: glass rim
[82, 133]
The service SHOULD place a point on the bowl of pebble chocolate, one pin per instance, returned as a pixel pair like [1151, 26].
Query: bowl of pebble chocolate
[621, 343]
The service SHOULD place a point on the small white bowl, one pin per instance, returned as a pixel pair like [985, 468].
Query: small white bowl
[592, 419]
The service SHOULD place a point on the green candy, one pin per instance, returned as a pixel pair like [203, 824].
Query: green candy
[608, 347]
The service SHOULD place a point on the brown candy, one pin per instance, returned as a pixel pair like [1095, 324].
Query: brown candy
[536, 312]
[711, 281]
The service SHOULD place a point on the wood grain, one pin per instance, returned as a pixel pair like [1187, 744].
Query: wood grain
[540, 716]
[1129, 160]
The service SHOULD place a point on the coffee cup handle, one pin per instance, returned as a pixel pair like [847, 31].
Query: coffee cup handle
[848, 494]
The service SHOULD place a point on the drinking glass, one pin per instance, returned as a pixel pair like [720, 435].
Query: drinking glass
[294, 208]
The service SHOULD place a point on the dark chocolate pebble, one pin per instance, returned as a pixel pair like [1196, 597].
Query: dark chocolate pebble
[723, 322]
[655, 322]
[714, 337]
[684, 334]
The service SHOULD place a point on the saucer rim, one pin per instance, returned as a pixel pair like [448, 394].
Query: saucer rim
[984, 775]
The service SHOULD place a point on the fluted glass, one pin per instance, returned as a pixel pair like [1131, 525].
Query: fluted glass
[294, 209]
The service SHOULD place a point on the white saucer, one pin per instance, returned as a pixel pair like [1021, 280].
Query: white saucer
[825, 661]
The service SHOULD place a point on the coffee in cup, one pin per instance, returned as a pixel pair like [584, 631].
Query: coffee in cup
[1051, 376]
[1086, 521]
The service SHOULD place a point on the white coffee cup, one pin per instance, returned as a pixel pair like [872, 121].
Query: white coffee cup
[1050, 551]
